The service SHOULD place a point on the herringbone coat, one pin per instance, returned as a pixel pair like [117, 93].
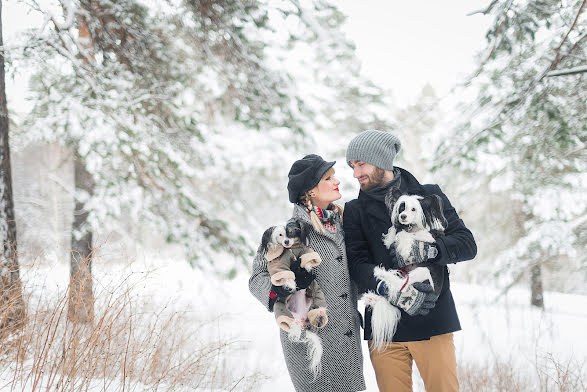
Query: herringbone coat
[342, 360]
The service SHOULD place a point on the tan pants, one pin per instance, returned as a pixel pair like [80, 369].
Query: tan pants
[435, 359]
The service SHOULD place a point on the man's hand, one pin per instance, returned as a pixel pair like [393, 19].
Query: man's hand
[421, 253]
[416, 300]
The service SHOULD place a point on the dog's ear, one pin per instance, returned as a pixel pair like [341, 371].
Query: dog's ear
[266, 240]
[305, 228]
[433, 212]
[391, 197]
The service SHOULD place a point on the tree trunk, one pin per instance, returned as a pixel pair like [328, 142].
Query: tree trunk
[11, 302]
[537, 294]
[536, 290]
[81, 299]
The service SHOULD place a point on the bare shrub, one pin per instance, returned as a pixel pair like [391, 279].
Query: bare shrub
[127, 347]
[508, 375]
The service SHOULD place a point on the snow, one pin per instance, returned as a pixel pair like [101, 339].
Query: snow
[495, 328]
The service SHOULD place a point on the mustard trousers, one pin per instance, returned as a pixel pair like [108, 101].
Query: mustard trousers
[435, 359]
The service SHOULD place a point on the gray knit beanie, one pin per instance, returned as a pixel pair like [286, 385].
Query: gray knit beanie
[377, 148]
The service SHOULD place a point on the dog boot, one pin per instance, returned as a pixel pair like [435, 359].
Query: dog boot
[310, 260]
[318, 317]
[285, 323]
[283, 317]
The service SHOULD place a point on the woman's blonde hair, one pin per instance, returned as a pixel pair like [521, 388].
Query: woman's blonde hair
[307, 202]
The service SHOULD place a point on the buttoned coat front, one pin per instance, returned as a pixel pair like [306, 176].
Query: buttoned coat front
[342, 361]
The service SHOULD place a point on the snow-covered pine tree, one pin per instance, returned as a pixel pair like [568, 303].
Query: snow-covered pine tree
[526, 133]
[11, 301]
[188, 107]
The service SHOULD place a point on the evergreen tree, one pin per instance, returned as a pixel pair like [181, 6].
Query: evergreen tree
[179, 109]
[526, 132]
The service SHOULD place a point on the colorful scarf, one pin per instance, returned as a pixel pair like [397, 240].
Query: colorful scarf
[329, 217]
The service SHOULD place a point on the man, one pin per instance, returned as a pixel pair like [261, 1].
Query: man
[424, 333]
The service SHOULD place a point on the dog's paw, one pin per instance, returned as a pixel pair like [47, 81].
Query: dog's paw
[286, 323]
[389, 238]
[310, 260]
[318, 317]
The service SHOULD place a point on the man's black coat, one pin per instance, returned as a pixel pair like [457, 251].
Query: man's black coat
[366, 219]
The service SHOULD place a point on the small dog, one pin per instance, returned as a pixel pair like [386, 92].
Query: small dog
[385, 316]
[303, 309]
[416, 220]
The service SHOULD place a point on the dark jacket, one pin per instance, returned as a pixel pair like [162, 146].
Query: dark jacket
[366, 219]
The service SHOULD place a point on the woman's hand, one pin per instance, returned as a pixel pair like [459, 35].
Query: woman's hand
[303, 277]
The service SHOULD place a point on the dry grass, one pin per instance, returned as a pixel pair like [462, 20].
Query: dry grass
[127, 347]
[545, 374]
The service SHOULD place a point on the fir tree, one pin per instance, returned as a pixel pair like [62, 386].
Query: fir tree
[169, 103]
[527, 133]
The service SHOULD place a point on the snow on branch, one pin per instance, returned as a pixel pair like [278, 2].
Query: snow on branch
[568, 71]
[484, 11]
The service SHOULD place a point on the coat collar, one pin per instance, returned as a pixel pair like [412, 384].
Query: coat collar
[299, 212]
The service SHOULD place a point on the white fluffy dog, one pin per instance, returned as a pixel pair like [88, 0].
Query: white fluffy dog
[413, 218]
[415, 221]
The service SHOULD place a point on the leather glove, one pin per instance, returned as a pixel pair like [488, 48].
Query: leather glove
[303, 277]
[281, 291]
[421, 253]
[416, 300]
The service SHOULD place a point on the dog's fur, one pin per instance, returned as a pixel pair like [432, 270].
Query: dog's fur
[414, 218]
[385, 316]
[303, 312]
[277, 239]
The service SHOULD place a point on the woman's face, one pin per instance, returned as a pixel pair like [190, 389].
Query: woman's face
[326, 191]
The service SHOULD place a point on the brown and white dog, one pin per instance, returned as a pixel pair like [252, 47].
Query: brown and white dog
[303, 310]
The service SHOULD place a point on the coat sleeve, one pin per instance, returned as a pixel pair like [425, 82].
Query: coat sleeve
[260, 281]
[458, 243]
[357, 249]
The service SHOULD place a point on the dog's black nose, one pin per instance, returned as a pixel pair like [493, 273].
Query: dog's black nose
[286, 242]
[403, 216]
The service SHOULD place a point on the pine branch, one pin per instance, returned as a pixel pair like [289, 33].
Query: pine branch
[568, 71]
[558, 56]
[496, 42]
[486, 10]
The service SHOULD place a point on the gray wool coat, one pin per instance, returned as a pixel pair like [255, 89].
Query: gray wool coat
[342, 359]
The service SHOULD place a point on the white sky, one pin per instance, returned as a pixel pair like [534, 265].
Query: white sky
[405, 44]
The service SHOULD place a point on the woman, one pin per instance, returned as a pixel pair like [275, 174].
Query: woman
[312, 188]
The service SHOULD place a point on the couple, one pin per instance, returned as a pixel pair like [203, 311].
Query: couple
[348, 259]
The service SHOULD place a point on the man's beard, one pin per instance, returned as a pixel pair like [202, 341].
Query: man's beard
[375, 180]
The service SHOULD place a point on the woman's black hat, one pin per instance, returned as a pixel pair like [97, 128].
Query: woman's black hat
[305, 174]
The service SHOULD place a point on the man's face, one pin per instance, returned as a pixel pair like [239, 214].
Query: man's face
[368, 175]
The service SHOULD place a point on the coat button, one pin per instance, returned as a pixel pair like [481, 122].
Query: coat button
[344, 296]
[339, 258]
[349, 334]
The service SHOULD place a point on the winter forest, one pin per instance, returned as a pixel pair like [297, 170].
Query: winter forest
[145, 146]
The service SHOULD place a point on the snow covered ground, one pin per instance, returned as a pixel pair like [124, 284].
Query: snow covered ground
[494, 328]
